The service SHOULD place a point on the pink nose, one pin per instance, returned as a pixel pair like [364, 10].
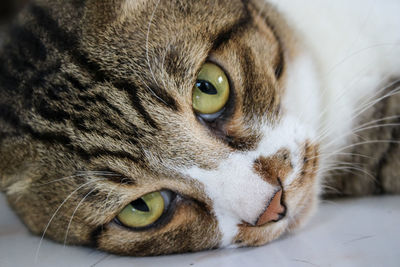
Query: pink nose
[274, 210]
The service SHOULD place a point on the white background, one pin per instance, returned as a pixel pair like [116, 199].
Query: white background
[352, 232]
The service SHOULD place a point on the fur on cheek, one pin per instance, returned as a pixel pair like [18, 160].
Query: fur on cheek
[302, 194]
[191, 229]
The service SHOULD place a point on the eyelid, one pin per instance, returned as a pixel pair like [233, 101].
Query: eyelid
[169, 197]
[212, 117]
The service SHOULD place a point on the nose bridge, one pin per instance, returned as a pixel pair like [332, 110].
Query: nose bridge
[247, 192]
[274, 169]
[255, 193]
[245, 185]
[235, 188]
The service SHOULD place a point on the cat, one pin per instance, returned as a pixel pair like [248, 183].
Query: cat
[156, 127]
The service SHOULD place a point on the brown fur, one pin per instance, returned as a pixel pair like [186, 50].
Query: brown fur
[297, 195]
[95, 98]
[274, 169]
[96, 111]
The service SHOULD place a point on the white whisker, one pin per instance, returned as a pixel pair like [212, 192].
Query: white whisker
[55, 213]
[147, 41]
[368, 103]
[151, 90]
[104, 206]
[362, 50]
[80, 174]
[73, 214]
[360, 130]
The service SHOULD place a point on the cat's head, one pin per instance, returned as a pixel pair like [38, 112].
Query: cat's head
[153, 127]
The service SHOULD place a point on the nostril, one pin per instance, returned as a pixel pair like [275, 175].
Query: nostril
[274, 210]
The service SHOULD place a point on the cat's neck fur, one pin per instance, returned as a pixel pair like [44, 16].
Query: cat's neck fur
[355, 53]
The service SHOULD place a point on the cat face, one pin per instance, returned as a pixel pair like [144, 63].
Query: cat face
[112, 121]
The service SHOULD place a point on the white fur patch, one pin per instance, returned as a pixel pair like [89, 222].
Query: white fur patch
[354, 46]
[237, 192]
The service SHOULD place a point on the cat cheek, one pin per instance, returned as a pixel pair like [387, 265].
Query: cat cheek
[302, 194]
[192, 228]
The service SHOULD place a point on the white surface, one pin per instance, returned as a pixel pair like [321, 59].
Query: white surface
[357, 232]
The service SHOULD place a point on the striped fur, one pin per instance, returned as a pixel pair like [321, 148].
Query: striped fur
[95, 112]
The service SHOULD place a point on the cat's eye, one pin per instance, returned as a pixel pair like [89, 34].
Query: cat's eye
[211, 91]
[146, 210]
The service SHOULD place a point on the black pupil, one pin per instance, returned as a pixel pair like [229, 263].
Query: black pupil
[206, 87]
[139, 204]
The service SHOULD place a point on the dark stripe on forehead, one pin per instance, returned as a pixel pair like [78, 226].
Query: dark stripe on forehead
[68, 43]
[51, 113]
[8, 114]
[22, 83]
[226, 35]
[115, 177]
[280, 66]
[135, 99]
[75, 82]
[97, 99]
[59, 37]
[8, 81]
[254, 87]
[30, 46]
[89, 154]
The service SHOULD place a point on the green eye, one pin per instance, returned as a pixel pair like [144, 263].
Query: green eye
[146, 210]
[211, 91]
